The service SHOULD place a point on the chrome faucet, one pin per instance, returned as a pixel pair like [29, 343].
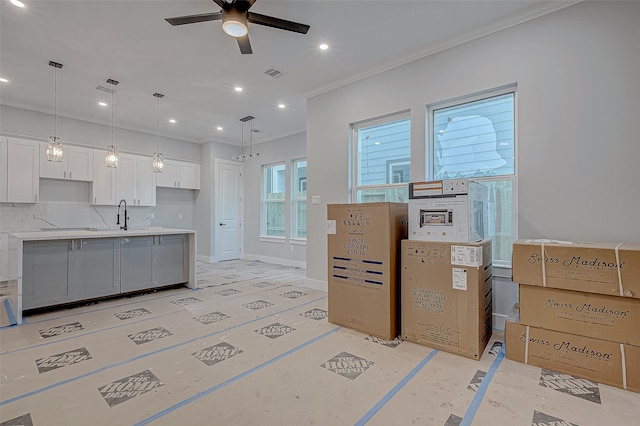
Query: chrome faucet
[125, 215]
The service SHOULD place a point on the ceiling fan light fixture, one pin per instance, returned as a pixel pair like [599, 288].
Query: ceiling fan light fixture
[234, 23]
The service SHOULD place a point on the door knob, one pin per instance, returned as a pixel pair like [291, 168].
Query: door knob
[222, 224]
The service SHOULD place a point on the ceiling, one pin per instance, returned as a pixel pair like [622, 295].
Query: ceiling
[197, 66]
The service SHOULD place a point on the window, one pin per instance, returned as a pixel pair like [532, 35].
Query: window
[381, 159]
[475, 138]
[299, 199]
[273, 200]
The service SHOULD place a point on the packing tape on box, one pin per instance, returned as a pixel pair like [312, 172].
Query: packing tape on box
[619, 273]
[543, 262]
[624, 366]
[526, 347]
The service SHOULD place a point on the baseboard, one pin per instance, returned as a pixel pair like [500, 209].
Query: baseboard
[276, 260]
[316, 284]
[206, 259]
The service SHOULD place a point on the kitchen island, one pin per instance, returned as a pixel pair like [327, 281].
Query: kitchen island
[61, 266]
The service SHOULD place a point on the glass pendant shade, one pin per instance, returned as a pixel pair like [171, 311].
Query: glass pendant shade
[111, 158]
[54, 149]
[158, 158]
[158, 162]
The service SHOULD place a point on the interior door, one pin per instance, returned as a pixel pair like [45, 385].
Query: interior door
[228, 225]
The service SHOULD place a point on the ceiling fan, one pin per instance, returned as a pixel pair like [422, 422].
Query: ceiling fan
[235, 15]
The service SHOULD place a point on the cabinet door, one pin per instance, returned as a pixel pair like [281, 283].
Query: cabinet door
[126, 179]
[145, 182]
[47, 271]
[51, 169]
[97, 267]
[23, 171]
[170, 260]
[3, 170]
[186, 173]
[167, 178]
[79, 162]
[103, 188]
[136, 255]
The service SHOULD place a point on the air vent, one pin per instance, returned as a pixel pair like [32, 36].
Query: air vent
[105, 89]
[275, 72]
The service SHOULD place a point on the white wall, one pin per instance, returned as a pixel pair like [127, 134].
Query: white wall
[578, 106]
[285, 150]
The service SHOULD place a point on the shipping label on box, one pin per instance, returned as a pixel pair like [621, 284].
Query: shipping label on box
[602, 361]
[604, 317]
[604, 268]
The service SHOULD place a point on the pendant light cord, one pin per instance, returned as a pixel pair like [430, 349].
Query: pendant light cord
[55, 104]
[112, 107]
[158, 128]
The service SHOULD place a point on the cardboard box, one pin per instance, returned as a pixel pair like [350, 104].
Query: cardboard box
[604, 268]
[602, 361]
[454, 210]
[446, 295]
[594, 315]
[363, 244]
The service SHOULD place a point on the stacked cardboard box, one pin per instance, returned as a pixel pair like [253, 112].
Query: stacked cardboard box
[446, 295]
[579, 310]
[363, 244]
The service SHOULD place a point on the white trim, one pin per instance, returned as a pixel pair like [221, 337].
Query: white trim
[206, 259]
[316, 284]
[502, 272]
[278, 240]
[276, 260]
[298, 241]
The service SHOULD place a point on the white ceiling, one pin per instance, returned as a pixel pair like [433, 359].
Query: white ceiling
[197, 66]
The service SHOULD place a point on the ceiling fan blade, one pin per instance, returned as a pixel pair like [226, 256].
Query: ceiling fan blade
[220, 3]
[192, 19]
[244, 45]
[281, 24]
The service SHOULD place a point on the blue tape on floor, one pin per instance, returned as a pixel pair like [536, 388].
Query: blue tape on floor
[232, 379]
[395, 389]
[482, 389]
[10, 316]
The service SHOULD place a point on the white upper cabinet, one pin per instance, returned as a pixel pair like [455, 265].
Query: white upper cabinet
[76, 164]
[22, 171]
[180, 174]
[136, 181]
[103, 187]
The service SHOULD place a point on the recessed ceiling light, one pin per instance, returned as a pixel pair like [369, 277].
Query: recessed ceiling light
[324, 46]
[172, 120]
[102, 104]
[3, 80]
[377, 143]
[220, 128]
[282, 106]
[17, 3]
[238, 89]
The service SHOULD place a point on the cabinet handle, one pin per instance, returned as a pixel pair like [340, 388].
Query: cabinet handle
[175, 183]
[95, 200]
[65, 174]
[36, 198]
[69, 175]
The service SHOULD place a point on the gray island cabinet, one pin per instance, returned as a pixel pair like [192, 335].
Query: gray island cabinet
[60, 267]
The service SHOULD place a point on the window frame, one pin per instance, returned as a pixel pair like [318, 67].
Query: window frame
[430, 152]
[354, 158]
[295, 189]
[264, 202]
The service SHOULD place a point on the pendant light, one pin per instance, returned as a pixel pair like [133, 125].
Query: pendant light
[158, 158]
[241, 157]
[111, 158]
[54, 148]
[251, 154]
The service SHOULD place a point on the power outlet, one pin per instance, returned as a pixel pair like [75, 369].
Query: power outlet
[179, 216]
[153, 216]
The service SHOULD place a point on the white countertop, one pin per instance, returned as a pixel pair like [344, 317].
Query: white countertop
[66, 234]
